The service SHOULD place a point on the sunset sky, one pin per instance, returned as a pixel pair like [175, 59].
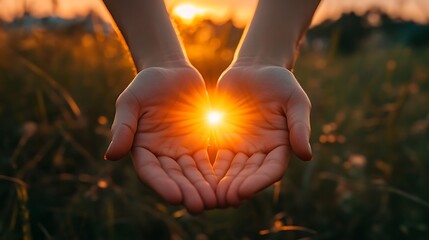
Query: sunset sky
[221, 10]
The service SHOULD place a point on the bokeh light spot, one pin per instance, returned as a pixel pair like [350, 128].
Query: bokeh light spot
[102, 184]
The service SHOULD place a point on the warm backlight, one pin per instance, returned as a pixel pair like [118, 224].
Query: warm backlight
[214, 117]
[187, 11]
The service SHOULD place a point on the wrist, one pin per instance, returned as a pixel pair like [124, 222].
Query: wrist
[170, 59]
[268, 53]
[148, 32]
[275, 32]
[285, 60]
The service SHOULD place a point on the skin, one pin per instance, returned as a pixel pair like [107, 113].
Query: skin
[168, 154]
[255, 150]
[269, 111]
[157, 115]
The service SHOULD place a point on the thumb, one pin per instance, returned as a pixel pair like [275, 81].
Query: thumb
[124, 127]
[298, 120]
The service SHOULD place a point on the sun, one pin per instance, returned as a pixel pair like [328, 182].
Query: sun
[187, 12]
[214, 117]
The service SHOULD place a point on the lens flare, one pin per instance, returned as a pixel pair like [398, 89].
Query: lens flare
[233, 120]
[214, 117]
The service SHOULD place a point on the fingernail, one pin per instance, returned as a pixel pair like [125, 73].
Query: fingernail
[108, 148]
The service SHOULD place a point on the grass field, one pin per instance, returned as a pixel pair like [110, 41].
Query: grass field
[370, 135]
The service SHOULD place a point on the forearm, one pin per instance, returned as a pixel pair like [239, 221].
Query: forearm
[148, 32]
[275, 32]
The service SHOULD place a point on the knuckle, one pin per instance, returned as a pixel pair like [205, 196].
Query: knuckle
[309, 105]
[120, 100]
[303, 97]
[127, 99]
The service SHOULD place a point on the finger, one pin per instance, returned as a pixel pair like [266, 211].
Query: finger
[191, 197]
[203, 164]
[298, 120]
[150, 172]
[223, 160]
[123, 128]
[189, 168]
[270, 171]
[234, 169]
[250, 167]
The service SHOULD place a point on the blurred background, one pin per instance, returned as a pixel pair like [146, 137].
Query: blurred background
[364, 65]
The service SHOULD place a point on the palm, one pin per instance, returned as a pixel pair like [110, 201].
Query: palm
[159, 118]
[267, 116]
[167, 126]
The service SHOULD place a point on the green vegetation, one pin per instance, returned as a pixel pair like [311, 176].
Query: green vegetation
[370, 138]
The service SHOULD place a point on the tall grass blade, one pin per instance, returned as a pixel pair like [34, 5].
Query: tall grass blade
[52, 83]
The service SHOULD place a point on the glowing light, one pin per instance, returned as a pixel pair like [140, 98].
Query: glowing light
[214, 117]
[102, 184]
[102, 120]
[187, 11]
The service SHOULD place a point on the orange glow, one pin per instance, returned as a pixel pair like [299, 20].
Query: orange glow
[221, 11]
[237, 120]
[187, 12]
[182, 124]
[102, 184]
[102, 120]
[214, 117]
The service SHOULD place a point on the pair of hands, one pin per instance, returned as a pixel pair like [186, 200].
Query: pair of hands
[160, 119]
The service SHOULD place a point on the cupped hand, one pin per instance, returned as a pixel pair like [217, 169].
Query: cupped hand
[159, 119]
[266, 117]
